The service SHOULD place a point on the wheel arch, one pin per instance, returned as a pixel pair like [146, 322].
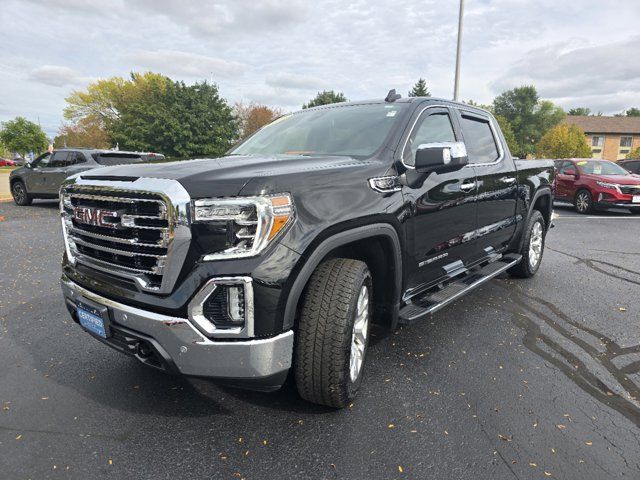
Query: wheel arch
[378, 245]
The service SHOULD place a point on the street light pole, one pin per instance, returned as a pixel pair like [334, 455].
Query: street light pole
[457, 79]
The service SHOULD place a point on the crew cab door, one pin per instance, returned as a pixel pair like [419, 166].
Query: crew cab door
[440, 227]
[495, 170]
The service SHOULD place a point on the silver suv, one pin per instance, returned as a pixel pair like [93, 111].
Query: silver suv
[43, 177]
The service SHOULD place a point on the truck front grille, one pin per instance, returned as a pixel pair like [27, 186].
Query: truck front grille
[123, 232]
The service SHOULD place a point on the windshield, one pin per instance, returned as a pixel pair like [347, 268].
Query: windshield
[353, 130]
[600, 168]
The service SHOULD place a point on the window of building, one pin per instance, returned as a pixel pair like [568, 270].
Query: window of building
[597, 141]
[625, 142]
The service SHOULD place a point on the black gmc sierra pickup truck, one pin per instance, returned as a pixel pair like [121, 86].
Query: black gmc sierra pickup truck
[277, 257]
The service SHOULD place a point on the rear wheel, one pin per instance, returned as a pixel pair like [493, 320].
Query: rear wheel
[532, 247]
[333, 332]
[584, 202]
[20, 195]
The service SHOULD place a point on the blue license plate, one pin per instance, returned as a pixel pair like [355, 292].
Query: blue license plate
[92, 322]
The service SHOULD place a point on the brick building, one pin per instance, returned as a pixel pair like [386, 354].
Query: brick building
[611, 138]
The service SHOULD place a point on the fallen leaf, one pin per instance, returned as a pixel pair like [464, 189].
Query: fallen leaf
[446, 433]
[18, 437]
[547, 474]
[400, 469]
[505, 438]
[391, 425]
[622, 309]
[264, 442]
[531, 464]
[588, 443]
[553, 450]
[110, 462]
[561, 427]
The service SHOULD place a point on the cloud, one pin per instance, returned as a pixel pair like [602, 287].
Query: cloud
[575, 73]
[228, 17]
[296, 82]
[187, 64]
[57, 76]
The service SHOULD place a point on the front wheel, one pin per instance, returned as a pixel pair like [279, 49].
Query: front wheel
[20, 195]
[532, 247]
[333, 332]
[583, 202]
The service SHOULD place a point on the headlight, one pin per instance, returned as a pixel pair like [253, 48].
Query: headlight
[253, 221]
[613, 186]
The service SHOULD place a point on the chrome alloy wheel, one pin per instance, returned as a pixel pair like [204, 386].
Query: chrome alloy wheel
[582, 202]
[359, 334]
[535, 245]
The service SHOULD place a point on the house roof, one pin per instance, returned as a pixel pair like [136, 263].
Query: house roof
[602, 124]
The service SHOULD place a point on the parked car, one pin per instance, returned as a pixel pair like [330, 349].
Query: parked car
[43, 177]
[5, 162]
[280, 255]
[632, 166]
[597, 184]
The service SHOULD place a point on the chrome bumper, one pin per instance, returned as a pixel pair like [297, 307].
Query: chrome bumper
[191, 352]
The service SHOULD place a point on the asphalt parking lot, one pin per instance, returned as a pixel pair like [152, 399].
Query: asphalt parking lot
[521, 379]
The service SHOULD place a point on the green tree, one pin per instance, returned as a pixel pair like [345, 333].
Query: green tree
[151, 112]
[507, 131]
[325, 98]
[420, 89]
[82, 134]
[583, 111]
[633, 112]
[564, 141]
[529, 117]
[634, 153]
[22, 136]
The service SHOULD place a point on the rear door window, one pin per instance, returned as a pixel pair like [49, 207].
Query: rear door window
[115, 158]
[58, 159]
[479, 140]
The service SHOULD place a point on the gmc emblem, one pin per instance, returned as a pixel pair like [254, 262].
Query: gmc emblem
[96, 217]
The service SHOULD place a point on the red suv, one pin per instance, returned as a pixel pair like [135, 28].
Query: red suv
[597, 184]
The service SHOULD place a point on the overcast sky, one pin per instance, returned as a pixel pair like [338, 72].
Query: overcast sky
[281, 52]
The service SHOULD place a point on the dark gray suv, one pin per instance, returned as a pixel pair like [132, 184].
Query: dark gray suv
[43, 177]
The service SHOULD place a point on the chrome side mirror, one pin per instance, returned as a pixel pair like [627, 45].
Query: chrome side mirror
[441, 157]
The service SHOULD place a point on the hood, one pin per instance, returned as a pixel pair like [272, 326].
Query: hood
[617, 179]
[226, 176]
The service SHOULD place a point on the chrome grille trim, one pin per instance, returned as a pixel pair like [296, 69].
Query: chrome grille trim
[126, 253]
[107, 238]
[152, 260]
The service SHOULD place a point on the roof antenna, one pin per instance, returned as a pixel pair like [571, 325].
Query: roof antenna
[392, 96]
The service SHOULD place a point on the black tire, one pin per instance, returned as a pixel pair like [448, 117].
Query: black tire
[583, 202]
[325, 330]
[635, 211]
[19, 194]
[527, 268]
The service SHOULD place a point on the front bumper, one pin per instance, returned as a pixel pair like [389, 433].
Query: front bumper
[180, 347]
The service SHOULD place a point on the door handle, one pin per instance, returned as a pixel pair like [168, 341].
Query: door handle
[508, 180]
[467, 187]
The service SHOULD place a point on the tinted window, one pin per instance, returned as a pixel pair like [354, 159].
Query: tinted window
[478, 137]
[354, 130]
[58, 159]
[567, 166]
[632, 166]
[117, 158]
[434, 127]
[77, 157]
[42, 160]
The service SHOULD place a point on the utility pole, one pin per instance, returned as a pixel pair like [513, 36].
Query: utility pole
[457, 79]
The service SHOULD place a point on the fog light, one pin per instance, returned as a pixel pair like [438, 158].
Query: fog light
[224, 308]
